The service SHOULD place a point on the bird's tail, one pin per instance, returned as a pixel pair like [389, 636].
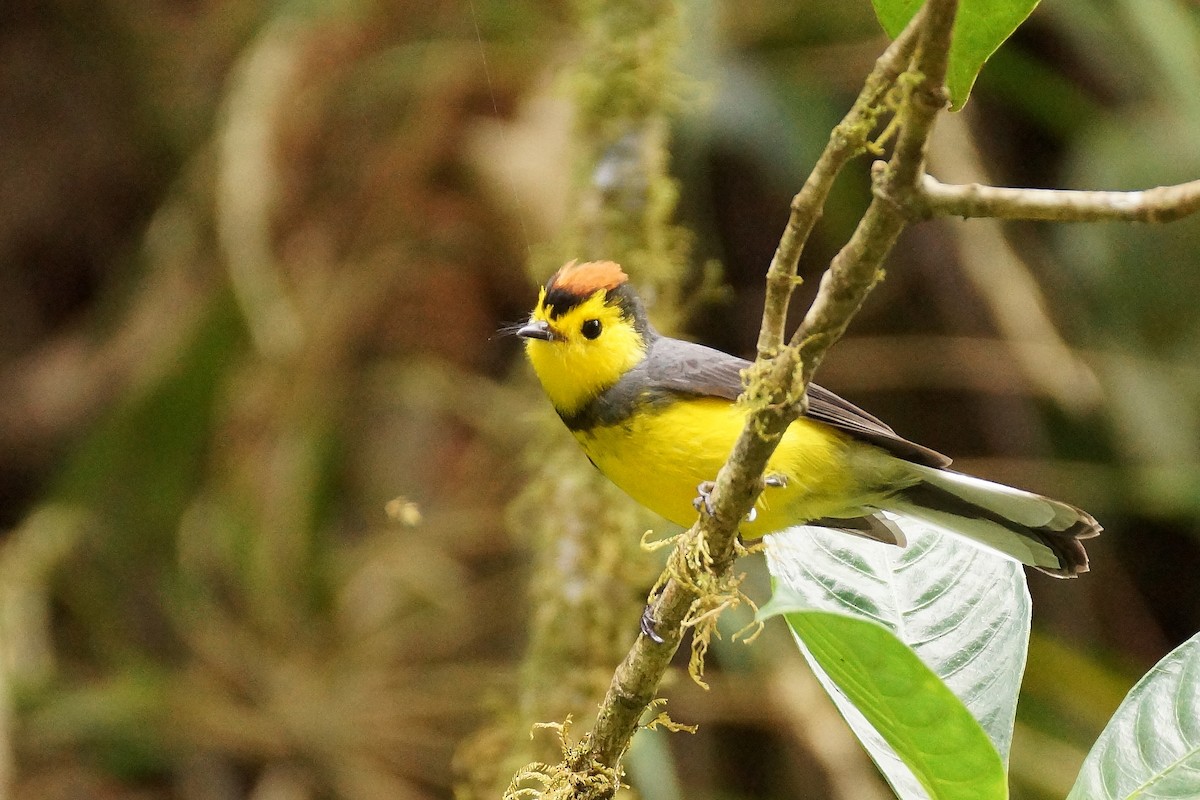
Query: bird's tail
[1034, 530]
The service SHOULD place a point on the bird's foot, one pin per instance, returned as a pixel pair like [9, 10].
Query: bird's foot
[775, 481]
[703, 500]
[649, 624]
[704, 491]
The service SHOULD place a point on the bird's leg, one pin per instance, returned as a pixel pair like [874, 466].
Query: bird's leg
[772, 481]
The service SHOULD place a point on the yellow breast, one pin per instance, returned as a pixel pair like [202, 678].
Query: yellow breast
[659, 456]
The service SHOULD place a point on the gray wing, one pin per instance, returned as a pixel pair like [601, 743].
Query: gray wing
[686, 368]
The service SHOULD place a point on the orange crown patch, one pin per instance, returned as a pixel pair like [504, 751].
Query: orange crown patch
[584, 280]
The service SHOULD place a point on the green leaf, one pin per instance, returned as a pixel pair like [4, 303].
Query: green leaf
[964, 612]
[900, 698]
[1151, 747]
[980, 27]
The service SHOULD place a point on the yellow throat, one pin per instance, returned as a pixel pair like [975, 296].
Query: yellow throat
[574, 368]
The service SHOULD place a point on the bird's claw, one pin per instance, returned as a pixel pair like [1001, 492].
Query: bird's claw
[775, 481]
[704, 500]
[649, 625]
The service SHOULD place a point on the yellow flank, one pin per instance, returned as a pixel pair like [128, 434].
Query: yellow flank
[659, 456]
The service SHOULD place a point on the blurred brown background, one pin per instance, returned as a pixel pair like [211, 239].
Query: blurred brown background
[258, 434]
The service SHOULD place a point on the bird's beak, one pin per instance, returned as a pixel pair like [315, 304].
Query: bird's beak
[536, 329]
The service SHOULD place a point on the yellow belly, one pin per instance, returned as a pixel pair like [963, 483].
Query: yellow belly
[659, 456]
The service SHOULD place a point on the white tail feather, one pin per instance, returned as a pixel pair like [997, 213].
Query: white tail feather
[988, 534]
[1028, 527]
[1018, 505]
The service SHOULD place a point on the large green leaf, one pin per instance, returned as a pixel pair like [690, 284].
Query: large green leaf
[900, 704]
[980, 27]
[963, 611]
[1151, 747]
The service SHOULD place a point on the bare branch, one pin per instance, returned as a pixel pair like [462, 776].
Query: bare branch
[1161, 204]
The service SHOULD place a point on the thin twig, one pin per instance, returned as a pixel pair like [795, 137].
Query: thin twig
[1161, 204]
[847, 141]
[857, 266]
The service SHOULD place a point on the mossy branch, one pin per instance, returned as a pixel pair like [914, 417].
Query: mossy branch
[908, 78]
[776, 382]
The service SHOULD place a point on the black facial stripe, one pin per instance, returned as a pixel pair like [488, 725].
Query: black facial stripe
[560, 301]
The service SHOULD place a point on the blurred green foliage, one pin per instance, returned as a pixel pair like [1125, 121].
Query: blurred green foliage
[201, 595]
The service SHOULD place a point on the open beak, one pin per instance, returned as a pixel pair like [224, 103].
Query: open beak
[536, 329]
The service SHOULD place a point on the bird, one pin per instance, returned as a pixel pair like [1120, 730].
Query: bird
[659, 416]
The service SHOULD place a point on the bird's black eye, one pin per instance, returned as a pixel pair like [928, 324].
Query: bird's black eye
[591, 328]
